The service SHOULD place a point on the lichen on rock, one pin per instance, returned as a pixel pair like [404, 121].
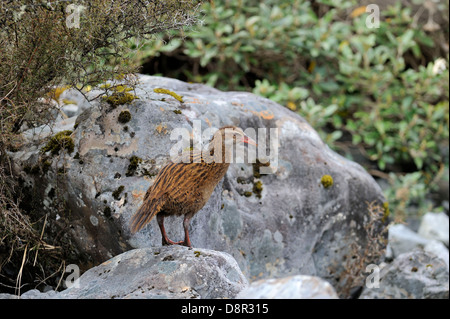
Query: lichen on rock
[61, 140]
[326, 181]
[124, 117]
[168, 92]
[119, 98]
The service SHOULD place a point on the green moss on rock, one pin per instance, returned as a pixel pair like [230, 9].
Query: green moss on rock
[257, 189]
[117, 192]
[45, 164]
[124, 117]
[119, 98]
[59, 141]
[248, 194]
[107, 212]
[134, 163]
[256, 166]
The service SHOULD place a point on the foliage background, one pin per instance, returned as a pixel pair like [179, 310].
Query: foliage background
[375, 95]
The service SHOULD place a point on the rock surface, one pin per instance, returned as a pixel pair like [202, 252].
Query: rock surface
[292, 287]
[438, 248]
[413, 275]
[167, 272]
[274, 225]
[403, 240]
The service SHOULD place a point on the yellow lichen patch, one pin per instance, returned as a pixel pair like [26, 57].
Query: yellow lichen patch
[120, 76]
[161, 128]
[386, 211]
[119, 98]
[257, 188]
[291, 105]
[165, 91]
[326, 181]
[56, 92]
[67, 101]
[121, 88]
[105, 86]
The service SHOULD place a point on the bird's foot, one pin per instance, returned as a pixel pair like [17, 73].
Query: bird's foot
[170, 242]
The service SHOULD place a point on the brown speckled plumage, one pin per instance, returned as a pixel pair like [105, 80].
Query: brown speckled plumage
[184, 188]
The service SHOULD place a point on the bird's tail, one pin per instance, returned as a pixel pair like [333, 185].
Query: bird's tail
[145, 214]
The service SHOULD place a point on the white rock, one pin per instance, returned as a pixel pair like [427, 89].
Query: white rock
[435, 226]
[293, 287]
[403, 240]
[438, 248]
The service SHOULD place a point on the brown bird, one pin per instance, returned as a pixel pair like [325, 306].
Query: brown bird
[184, 186]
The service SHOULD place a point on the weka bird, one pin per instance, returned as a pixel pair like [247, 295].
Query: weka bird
[183, 188]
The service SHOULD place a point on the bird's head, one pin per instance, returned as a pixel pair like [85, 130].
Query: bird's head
[223, 141]
[229, 135]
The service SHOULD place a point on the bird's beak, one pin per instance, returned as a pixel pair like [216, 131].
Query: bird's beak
[248, 140]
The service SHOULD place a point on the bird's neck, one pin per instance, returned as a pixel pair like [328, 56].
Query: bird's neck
[221, 153]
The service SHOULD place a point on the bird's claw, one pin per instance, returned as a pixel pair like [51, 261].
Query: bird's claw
[170, 242]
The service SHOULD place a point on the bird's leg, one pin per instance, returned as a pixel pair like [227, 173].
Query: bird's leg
[165, 239]
[187, 240]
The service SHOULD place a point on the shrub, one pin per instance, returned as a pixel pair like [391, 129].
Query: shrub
[43, 46]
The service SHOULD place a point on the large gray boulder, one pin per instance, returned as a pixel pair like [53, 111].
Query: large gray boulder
[274, 225]
[162, 273]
